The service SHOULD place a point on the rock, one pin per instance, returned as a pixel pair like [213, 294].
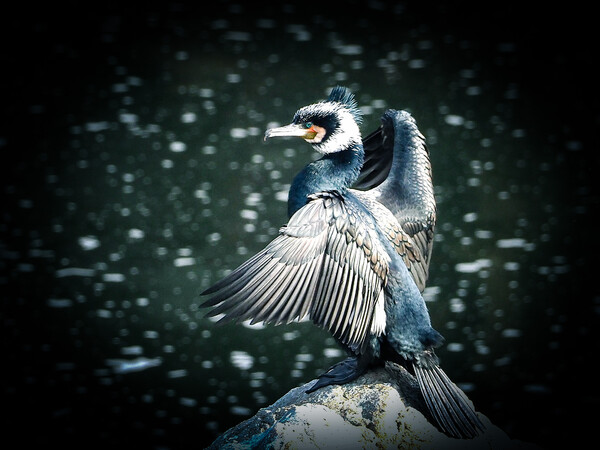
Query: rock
[381, 409]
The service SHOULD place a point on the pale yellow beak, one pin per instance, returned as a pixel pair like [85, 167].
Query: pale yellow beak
[291, 130]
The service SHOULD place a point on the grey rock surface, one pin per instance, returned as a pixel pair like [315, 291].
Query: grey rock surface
[381, 409]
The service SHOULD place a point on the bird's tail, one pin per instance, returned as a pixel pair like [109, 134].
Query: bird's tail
[446, 402]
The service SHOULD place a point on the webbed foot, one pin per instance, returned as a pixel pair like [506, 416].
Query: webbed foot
[340, 373]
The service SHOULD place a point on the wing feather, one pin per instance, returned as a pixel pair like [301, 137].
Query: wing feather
[268, 304]
[286, 311]
[249, 289]
[320, 265]
[397, 173]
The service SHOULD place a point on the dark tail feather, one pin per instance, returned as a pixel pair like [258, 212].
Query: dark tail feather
[446, 402]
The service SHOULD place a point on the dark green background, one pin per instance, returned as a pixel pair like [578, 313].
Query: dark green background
[109, 232]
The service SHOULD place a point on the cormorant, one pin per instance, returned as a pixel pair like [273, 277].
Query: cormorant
[355, 261]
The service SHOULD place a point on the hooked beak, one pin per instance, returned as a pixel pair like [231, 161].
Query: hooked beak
[291, 130]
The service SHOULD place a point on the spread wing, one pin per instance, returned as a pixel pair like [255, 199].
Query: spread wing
[397, 171]
[400, 240]
[327, 263]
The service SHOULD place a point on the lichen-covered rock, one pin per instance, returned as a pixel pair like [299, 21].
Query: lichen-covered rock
[381, 409]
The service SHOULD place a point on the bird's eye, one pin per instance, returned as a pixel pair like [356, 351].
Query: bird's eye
[308, 124]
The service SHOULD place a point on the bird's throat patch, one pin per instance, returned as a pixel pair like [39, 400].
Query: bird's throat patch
[315, 134]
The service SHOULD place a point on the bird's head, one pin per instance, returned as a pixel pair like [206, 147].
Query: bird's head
[330, 126]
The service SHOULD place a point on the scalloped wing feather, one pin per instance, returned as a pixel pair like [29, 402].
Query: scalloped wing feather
[320, 265]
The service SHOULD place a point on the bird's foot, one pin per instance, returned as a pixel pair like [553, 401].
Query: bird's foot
[340, 373]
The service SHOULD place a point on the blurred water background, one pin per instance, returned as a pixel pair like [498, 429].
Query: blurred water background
[135, 175]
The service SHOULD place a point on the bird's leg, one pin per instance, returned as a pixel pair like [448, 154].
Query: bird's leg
[342, 372]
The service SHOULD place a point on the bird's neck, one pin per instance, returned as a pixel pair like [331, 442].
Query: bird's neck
[333, 172]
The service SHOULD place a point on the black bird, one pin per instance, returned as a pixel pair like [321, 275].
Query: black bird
[355, 261]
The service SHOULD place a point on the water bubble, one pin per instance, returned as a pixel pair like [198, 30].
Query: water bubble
[511, 333]
[470, 217]
[241, 360]
[132, 350]
[248, 214]
[177, 373]
[467, 387]
[349, 49]
[291, 335]
[151, 334]
[185, 401]
[128, 118]
[183, 262]
[416, 64]
[213, 238]
[59, 302]
[253, 199]
[332, 352]
[455, 347]
[504, 361]
[177, 146]
[454, 120]
[513, 243]
[74, 272]
[136, 233]
[431, 292]
[95, 127]
[238, 36]
[301, 34]
[122, 366]
[206, 93]
[240, 411]
[483, 234]
[304, 357]
[182, 55]
[457, 305]
[89, 242]
[472, 267]
[481, 348]
[282, 195]
[188, 117]
[238, 133]
[113, 277]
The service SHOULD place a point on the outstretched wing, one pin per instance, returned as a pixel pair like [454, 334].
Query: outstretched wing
[398, 238]
[397, 171]
[326, 263]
